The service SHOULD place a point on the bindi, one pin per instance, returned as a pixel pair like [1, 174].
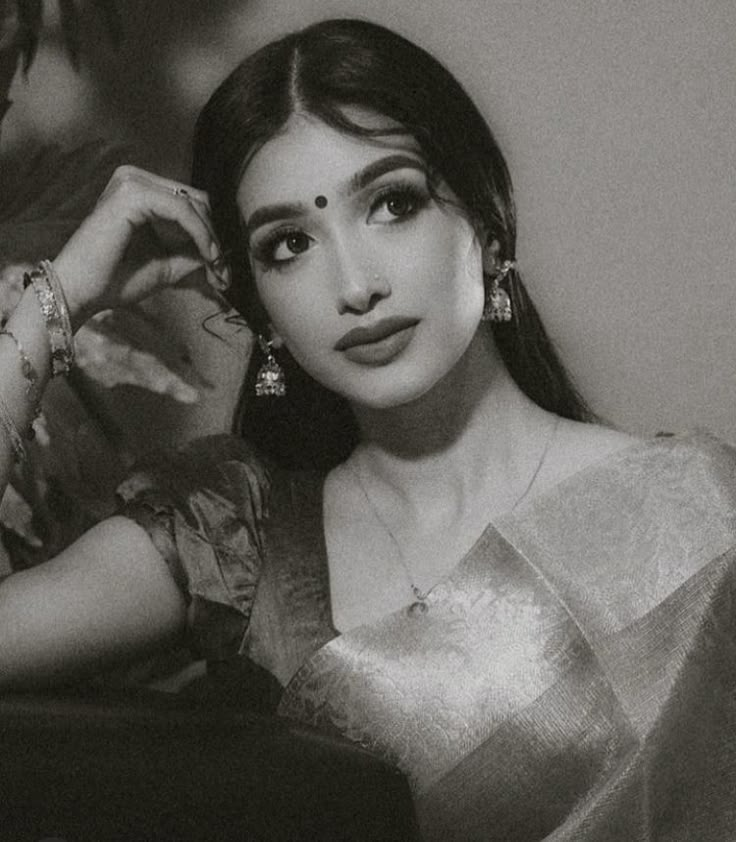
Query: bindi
[321, 201]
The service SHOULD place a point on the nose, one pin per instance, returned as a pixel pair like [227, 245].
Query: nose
[361, 285]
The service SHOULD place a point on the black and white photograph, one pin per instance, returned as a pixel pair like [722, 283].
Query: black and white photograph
[367, 421]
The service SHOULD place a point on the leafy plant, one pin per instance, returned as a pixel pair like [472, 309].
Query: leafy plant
[21, 22]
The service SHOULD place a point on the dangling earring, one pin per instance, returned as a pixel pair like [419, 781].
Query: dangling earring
[498, 302]
[270, 380]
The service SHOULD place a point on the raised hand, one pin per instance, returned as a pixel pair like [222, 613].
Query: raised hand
[145, 233]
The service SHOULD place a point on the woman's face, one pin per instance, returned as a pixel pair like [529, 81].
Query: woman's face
[374, 287]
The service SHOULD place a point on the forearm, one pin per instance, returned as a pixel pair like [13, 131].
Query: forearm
[122, 253]
[35, 344]
[28, 326]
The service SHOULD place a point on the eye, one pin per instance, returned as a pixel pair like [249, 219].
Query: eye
[290, 244]
[397, 202]
[400, 204]
[281, 246]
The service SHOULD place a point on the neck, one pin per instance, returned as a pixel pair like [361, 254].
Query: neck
[475, 430]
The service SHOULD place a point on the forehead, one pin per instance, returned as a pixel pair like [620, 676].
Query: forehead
[308, 157]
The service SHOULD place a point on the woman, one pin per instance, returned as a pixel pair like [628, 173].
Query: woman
[529, 614]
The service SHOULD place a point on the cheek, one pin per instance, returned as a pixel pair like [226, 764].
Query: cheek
[295, 317]
[282, 302]
[457, 268]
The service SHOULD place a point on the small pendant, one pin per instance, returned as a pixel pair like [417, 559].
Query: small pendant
[417, 608]
[420, 606]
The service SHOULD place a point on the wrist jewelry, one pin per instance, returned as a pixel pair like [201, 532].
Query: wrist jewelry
[46, 285]
[60, 298]
[10, 427]
[31, 377]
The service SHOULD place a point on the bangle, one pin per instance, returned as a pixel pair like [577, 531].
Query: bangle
[30, 375]
[46, 285]
[10, 427]
[58, 290]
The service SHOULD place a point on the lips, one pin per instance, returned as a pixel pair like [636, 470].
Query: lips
[378, 344]
[359, 336]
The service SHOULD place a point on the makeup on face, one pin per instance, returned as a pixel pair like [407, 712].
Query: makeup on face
[278, 211]
[379, 343]
[384, 277]
[401, 200]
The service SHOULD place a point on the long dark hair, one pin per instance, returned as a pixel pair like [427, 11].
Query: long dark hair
[320, 70]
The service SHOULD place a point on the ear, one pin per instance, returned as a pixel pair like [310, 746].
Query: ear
[490, 256]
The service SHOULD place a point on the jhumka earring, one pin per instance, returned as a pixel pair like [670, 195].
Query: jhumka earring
[270, 380]
[498, 302]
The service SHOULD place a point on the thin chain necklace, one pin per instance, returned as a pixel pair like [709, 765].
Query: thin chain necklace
[420, 605]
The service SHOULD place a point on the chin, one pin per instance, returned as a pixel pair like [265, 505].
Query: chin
[387, 396]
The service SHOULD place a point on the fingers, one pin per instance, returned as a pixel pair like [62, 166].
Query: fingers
[147, 197]
[127, 172]
[217, 265]
[176, 187]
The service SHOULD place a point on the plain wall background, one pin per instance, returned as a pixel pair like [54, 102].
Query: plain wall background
[618, 118]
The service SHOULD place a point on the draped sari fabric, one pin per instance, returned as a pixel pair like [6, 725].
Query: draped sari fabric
[575, 675]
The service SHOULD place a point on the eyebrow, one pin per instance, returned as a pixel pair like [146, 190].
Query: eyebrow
[381, 167]
[272, 213]
[361, 179]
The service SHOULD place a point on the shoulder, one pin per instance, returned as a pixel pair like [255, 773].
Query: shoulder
[693, 473]
[587, 443]
[584, 444]
[203, 507]
[611, 490]
[677, 459]
[680, 485]
[578, 446]
[632, 526]
[689, 462]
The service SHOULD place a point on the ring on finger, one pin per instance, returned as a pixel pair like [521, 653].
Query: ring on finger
[180, 191]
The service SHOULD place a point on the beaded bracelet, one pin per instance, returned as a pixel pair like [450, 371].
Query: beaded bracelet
[53, 304]
[30, 375]
[16, 441]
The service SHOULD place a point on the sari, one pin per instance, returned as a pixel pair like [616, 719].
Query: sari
[574, 676]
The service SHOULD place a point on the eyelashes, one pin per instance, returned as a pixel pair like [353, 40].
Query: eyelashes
[293, 240]
[400, 200]
[391, 205]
